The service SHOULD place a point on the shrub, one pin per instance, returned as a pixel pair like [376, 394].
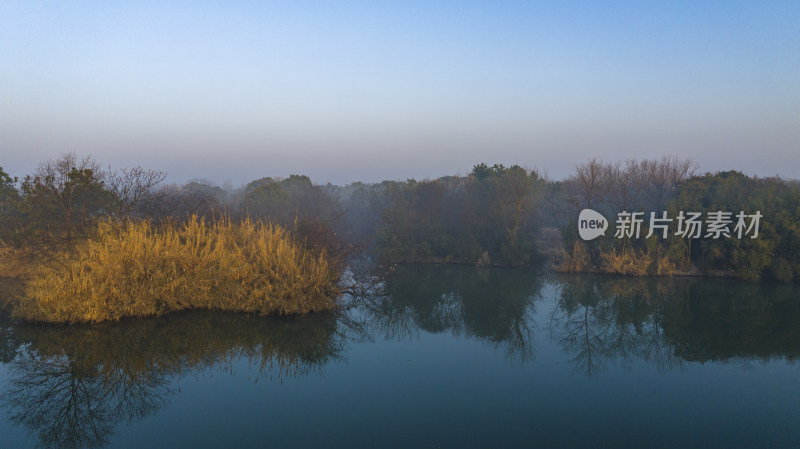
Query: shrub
[626, 262]
[136, 270]
[576, 261]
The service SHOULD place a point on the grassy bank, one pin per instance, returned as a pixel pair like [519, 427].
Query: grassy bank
[137, 270]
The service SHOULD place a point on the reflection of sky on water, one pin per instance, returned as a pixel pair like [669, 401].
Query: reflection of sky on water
[465, 357]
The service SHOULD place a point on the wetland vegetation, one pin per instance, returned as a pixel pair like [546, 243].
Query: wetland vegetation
[92, 244]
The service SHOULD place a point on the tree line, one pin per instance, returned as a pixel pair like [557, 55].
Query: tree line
[670, 188]
[96, 245]
[493, 216]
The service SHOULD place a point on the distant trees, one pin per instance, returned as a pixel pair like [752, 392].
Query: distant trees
[495, 215]
[587, 185]
[414, 221]
[670, 185]
[612, 187]
[134, 191]
[488, 217]
[663, 177]
[359, 220]
[775, 253]
[310, 211]
[176, 204]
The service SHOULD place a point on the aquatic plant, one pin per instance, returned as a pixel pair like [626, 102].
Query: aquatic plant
[574, 261]
[134, 269]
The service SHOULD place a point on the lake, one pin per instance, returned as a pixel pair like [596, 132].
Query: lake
[441, 356]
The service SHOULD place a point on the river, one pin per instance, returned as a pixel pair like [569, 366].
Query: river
[438, 356]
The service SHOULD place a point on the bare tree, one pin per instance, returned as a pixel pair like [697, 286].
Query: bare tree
[133, 188]
[57, 171]
[623, 185]
[176, 203]
[679, 171]
[586, 187]
[634, 185]
[663, 177]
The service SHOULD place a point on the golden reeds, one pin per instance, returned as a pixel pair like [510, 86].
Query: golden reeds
[628, 262]
[136, 270]
[575, 261]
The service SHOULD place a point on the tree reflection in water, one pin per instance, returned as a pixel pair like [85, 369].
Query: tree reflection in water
[8, 341]
[68, 405]
[9, 289]
[494, 305]
[600, 319]
[72, 385]
[668, 322]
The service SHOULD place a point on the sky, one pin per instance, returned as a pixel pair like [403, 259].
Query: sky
[348, 91]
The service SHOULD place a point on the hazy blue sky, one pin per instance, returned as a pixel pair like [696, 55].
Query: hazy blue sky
[348, 90]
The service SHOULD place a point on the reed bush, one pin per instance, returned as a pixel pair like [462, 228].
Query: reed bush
[15, 263]
[663, 263]
[626, 262]
[575, 261]
[136, 270]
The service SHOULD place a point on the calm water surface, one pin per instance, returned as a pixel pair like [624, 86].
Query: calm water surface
[442, 357]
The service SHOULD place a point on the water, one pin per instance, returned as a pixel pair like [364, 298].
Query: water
[444, 357]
